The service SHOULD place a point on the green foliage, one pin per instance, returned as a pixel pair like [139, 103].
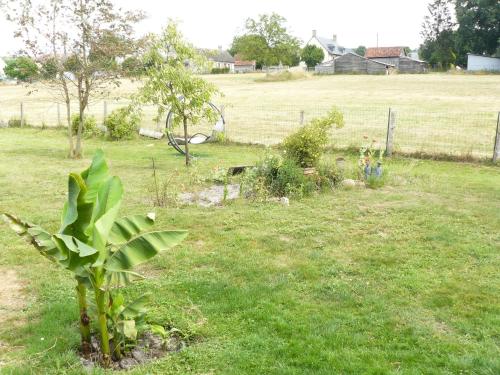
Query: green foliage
[307, 144]
[15, 122]
[101, 251]
[219, 71]
[312, 55]
[133, 67]
[267, 41]
[123, 123]
[49, 69]
[361, 50]
[170, 83]
[329, 175]
[89, 125]
[22, 68]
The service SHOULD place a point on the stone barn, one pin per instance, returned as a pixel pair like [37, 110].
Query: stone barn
[351, 63]
[396, 56]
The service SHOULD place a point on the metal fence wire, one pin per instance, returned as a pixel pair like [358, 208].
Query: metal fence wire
[460, 133]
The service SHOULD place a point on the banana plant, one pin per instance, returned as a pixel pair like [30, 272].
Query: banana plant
[98, 248]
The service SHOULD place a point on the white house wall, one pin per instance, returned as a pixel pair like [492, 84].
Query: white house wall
[475, 63]
[315, 42]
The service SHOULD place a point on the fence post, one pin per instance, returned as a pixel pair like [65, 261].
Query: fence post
[391, 125]
[302, 117]
[104, 111]
[58, 115]
[496, 148]
[22, 114]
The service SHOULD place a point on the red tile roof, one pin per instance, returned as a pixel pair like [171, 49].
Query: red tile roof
[384, 52]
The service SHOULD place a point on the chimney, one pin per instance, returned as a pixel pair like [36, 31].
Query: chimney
[220, 48]
[314, 33]
[334, 38]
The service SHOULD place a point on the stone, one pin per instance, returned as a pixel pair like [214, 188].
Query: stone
[174, 344]
[139, 355]
[127, 363]
[285, 201]
[348, 183]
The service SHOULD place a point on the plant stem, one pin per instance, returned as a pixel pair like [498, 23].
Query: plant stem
[81, 290]
[186, 148]
[101, 302]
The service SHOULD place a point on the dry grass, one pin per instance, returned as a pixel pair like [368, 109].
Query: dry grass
[436, 113]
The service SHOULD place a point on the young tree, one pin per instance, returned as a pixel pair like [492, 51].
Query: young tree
[478, 27]
[81, 39]
[171, 83]
[268, 41]
[312, 55]
[361, 50]
[21, 68]
[439, 38]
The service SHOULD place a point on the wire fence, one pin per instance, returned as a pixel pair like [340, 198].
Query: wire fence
[460, 132]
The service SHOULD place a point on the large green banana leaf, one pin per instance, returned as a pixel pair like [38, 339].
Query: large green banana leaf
[128, 227]
[143, 248]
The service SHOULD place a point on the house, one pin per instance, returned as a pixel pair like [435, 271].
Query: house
[222, 59]
[2, 66]
[396, 56]
[352, 63]
[481, 62]
[330, 47]
[244, 66]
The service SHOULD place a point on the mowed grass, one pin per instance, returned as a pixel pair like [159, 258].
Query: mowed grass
[436, 113]
[401, 280]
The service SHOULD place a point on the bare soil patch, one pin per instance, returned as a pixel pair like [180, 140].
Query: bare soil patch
[11, 294]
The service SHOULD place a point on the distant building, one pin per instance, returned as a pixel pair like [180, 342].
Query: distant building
[352, 63]
[222, 59]
[480, 62]
[330, 47]
[396, 56]
[244, 66]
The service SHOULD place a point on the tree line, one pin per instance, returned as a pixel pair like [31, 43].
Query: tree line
[454, 28]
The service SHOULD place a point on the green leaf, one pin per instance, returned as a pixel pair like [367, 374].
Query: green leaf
[117, 279]
[136, 308]
[143, 248]
[77, 211]
[128, 227]
[158, 330]
[95, 175]
[117, 306]
[127, 327]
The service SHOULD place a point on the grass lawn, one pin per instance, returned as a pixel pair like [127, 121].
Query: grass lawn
[401, 280]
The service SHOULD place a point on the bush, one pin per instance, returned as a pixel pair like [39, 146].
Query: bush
[89, 125]
[307, 144]
[219, 70]
[15, 122]
[329, 176]
[277, 177]
[122, 123]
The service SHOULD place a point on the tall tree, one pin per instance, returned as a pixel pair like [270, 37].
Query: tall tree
[81, 39]
[478, 27]
[21, 68]
[361, 50]
[268, 41]
[439, 38]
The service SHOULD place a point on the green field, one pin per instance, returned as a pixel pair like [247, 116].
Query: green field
[400, 280]
[435, 113]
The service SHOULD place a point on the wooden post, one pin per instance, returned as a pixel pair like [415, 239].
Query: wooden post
[58, 115]
[223, 114]
[496, 148]
[104, 111]
[301, 117]
[391, 125]
[22, 115]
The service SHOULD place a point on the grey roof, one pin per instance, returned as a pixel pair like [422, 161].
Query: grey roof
[331, 46]
[222, 56]
[364, 58]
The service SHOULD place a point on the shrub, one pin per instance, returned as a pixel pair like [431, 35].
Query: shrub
[329, 175]
[122, 123]
[15, 122]
[219, 70]
[307, 144]
[278, 177]
[89, 125]
[282, 76]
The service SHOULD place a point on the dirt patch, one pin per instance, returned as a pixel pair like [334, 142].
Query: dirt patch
[211, 196]
[11, 295]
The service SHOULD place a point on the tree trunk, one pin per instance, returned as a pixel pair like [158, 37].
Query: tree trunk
[71, 152]
[186, 148]
[81, 109]
[101, 304]
[81, 290]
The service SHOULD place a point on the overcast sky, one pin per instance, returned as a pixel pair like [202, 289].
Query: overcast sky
[211, 23]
